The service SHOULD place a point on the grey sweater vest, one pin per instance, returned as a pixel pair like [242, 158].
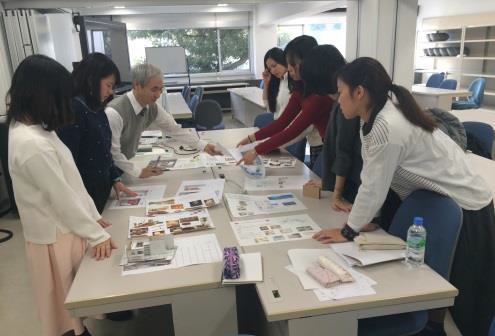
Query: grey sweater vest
[134, 124]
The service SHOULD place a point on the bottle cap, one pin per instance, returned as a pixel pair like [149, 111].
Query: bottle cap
[418, 220]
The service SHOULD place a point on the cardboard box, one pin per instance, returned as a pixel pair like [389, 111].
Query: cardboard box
[311, 191]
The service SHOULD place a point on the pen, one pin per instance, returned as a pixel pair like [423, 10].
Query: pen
[157, 161]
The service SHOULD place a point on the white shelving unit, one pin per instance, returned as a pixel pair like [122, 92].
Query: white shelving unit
[475, 37]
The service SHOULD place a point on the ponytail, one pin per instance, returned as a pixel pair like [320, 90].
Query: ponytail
[411, 110]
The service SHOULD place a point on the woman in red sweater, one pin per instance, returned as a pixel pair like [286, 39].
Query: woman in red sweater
[309, 106]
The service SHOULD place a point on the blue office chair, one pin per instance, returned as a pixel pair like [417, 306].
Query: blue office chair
[492, 328]
[193, 104]
[318, 165]
[263, 119]
[449, 84]
[443, 221]
[199, 92]
[298, 149]
[209, 116]
[479, 138]
[262, 84]
[435, 80]
[477, 87]
[186, 93]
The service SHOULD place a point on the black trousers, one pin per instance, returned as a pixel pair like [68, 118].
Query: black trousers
[99, 189]
[473, 272]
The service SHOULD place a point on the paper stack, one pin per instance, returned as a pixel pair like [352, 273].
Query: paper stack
[302, 259]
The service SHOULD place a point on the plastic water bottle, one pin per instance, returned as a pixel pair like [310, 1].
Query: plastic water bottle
[416, 243]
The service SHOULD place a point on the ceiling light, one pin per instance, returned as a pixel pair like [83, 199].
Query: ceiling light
[222, 5]
[118, 7]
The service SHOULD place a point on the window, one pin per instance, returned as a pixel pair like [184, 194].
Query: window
[208, 50]
[324, 33]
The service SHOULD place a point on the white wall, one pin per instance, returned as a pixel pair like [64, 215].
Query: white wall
[434, 8]
[65, 39]
[264, 38]
[5, 71]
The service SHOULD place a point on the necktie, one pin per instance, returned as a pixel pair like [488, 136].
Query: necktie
[142, 112]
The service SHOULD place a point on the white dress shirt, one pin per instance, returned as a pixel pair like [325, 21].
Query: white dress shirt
[164, 121]
[48, 189]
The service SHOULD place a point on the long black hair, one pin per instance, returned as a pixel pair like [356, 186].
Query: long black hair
[371, 75]
[295, 51]
[87, 77]
[277, 55]
[40, 93]
[319, 68]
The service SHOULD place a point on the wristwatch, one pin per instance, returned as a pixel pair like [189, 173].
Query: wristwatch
[348, 233]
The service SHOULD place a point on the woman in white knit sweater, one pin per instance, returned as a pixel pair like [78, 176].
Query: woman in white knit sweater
[403, 150]
[57, 214]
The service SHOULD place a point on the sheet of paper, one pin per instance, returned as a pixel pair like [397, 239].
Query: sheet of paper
[177, 163]
[146, 226]
[354, 256]
[144, 193]
[204, 199]
[251, 269]
[275, 183]
[254, 170]
[274, 230]
[279, 162]
[301, 259]
[195, 186]
[151, 134]
[251, 205]
[202, 249]
[188, 221]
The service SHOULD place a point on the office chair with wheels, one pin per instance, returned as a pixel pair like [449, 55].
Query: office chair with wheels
[263, 119]
[199, 91]
[442, 220]
[477, 87]
[186, 93]
[479, 138]
[209, 116]
[435, 80]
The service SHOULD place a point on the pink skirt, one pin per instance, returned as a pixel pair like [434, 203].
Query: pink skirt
[52, 268]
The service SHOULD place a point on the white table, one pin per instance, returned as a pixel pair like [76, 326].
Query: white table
[428, 97]
[176, 105]
[246, 104]
[200, 305]
[298, 312]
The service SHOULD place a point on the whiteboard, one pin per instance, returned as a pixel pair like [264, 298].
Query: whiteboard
[171, 60]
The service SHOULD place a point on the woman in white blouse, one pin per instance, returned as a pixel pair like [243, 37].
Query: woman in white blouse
[404, 150]
[57, 214]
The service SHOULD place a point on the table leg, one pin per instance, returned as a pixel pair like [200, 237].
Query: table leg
[207, 313]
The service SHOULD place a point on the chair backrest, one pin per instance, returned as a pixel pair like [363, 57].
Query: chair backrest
[450, 84]
[477, 87]
[193, 104]
[4, 157]
[442, 221]
[186, 93]
[483, 135]
[298, 149]
[199, 92]
[318, 165]
[435, 80]
[208, 114]
[262, 84]
[263, 119]
[492, 328]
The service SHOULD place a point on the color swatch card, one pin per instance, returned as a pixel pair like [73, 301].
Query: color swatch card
[253, 205]
[204, 199]
[197, 186]
[274, 230]
[188, 221]
[279, 162]
[275, 183]
[146, 226]
[144, 193]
